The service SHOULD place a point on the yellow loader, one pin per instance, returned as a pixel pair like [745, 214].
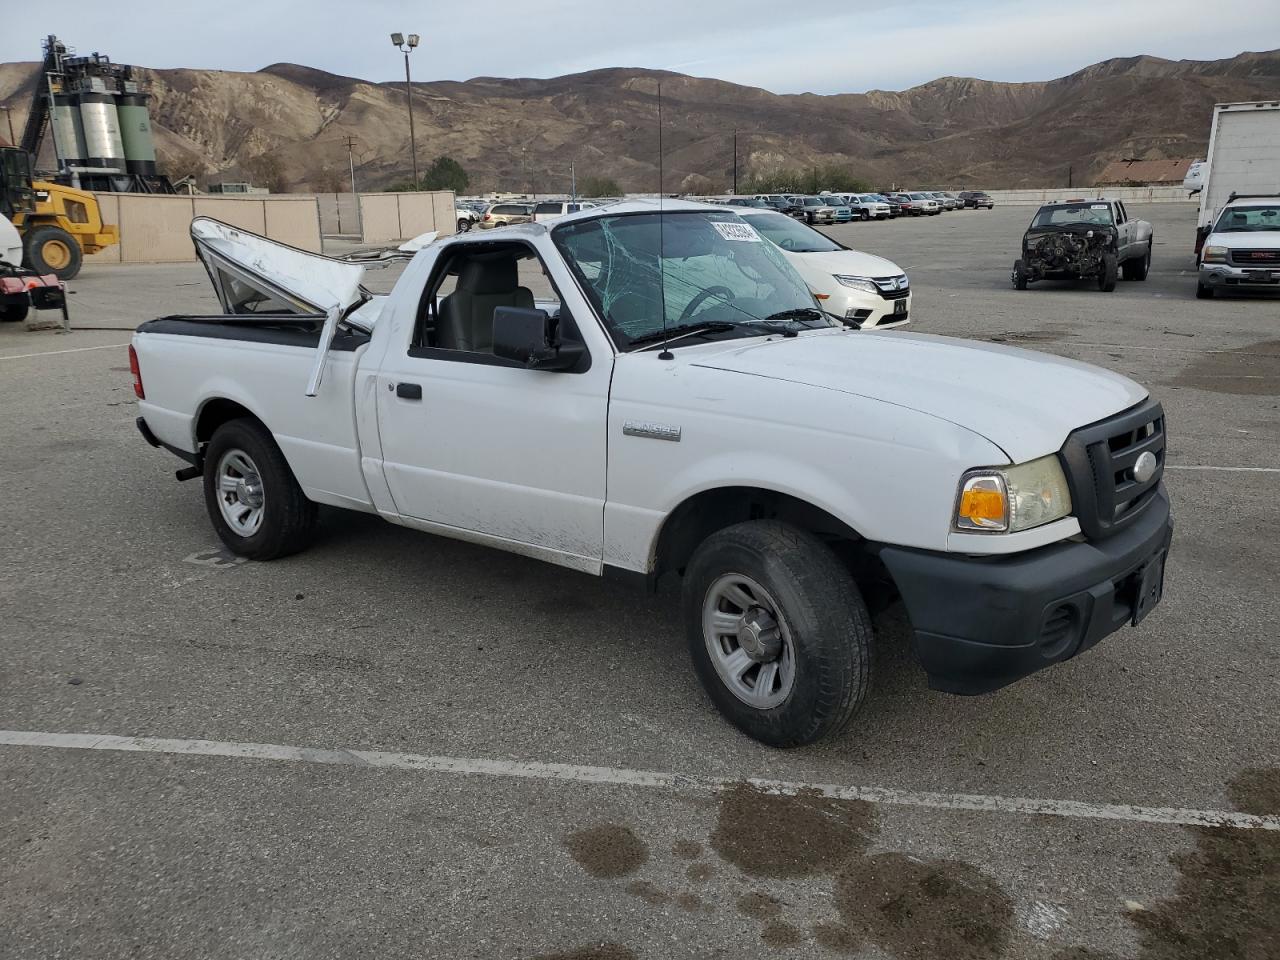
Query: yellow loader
[58, 224]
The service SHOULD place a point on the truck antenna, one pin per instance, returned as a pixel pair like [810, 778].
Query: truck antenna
[662, 277]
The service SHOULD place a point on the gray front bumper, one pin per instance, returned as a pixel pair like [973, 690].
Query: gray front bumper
[1226, 275]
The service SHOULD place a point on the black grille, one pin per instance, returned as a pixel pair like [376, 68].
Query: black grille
[888, 288]
[1100, 460]
[1255, 258]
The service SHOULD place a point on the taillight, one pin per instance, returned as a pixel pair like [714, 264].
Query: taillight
[486, 216]
[137, 374]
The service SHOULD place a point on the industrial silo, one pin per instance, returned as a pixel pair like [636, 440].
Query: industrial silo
[103, 145]
[68, 134]
[135, 131]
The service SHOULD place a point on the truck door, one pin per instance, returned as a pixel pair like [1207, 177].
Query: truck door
[1124, 228]
[476, 444]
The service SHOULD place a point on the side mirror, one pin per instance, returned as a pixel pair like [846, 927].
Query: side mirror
[532, 339]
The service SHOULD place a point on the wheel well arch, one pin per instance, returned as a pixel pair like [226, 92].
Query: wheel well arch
[704, 513]
[217, 411]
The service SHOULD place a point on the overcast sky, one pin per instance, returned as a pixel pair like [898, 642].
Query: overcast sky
[826, 46]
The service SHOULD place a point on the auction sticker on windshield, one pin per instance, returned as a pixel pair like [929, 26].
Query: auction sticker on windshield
[1097, 206]
[736, 231]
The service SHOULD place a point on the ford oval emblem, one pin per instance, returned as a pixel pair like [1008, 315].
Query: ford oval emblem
[1145, 468]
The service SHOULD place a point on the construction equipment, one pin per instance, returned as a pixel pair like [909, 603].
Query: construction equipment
[21, 288]
[58, 224]
[101, 125]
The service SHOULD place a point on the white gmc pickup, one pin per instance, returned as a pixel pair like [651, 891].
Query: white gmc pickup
[679, 406]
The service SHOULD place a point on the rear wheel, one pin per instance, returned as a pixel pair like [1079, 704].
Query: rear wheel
[1110, 271]
[252, 497]
[1139, 267]
[50, 249]
[464, 225]
[778, 632]
[14, 311]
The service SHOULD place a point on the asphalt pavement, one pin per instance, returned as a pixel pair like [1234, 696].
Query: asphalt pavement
[396, 745]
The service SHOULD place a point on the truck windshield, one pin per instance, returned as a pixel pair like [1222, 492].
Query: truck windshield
[791, 234]
[713, 267]
[1071, 213]
[1248, 219]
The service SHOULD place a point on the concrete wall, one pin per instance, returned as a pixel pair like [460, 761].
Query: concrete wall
[402, 216]
[1127, 194]
[156, 229]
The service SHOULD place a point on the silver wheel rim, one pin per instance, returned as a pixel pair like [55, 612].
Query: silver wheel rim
[240, 495]
[748, 641]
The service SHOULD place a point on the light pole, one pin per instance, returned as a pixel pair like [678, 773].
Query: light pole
[399, 41]
[735, 162]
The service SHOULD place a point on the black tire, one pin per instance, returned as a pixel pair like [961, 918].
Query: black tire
[39, 246]
[288, 517]
[1019, 275]
[820, 607]
[1138, 269]
[865, 214]
[1110, 271]
[12, 312]
[464, 225]
[1203, 292]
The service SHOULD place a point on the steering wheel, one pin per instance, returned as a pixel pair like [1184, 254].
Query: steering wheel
[724, 292]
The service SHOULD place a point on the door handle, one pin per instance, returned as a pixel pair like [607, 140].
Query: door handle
[409, 391]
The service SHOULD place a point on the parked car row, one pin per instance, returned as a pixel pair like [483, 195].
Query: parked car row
[831, 207]
[504, 214]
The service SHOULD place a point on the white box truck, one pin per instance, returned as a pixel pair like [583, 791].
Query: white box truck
[1244, 158]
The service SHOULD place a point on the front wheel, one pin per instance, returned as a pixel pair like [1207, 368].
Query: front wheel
[1019, 275]
[778, 632]
[1203, 292]
[866, 215]
[1110, 271]
[49, 249]
[253, 499]
[464, 225]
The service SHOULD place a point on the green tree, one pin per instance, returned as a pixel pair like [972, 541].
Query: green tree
[599, 187]
[444, 173]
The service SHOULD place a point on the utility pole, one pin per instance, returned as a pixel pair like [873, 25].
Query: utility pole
[735, 162]
[573, 182]
[350, 143]
[405, 46]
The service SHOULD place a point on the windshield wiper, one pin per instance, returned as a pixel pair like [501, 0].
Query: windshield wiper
[681, 331]
[794, 316]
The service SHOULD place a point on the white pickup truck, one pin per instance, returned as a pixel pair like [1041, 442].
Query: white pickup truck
[678, 405]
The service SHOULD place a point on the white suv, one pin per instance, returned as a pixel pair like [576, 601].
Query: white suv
[1242, 252]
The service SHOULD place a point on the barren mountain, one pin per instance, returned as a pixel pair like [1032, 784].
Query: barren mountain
[518, 134]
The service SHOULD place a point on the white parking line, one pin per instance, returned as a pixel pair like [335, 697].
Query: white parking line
[1190, 466]
[619, 776]
[51, 353]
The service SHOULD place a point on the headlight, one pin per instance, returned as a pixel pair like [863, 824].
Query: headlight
[1007, 499]
[857, 283]
[1214, 255]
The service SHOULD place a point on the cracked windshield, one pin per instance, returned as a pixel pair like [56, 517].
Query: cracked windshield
[716, 269]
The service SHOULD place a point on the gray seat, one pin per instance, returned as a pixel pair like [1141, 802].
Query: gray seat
[466, 315]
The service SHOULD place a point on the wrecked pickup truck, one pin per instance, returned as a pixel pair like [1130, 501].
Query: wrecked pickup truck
[1084, 240]
[677, 405]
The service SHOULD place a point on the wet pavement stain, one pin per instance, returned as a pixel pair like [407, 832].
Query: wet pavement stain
[690, 902]
[649, 893]
[1252, 370]
[687, 849]
[608, 850]
[600, 951]
[788, 835]
[781, 935]
[1227, 901]
[919, 910]
[759, 906]
[700, 872]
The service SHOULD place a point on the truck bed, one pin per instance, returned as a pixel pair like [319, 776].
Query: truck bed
[262, 364]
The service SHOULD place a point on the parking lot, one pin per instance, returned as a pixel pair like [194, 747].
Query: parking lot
[396, 745]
